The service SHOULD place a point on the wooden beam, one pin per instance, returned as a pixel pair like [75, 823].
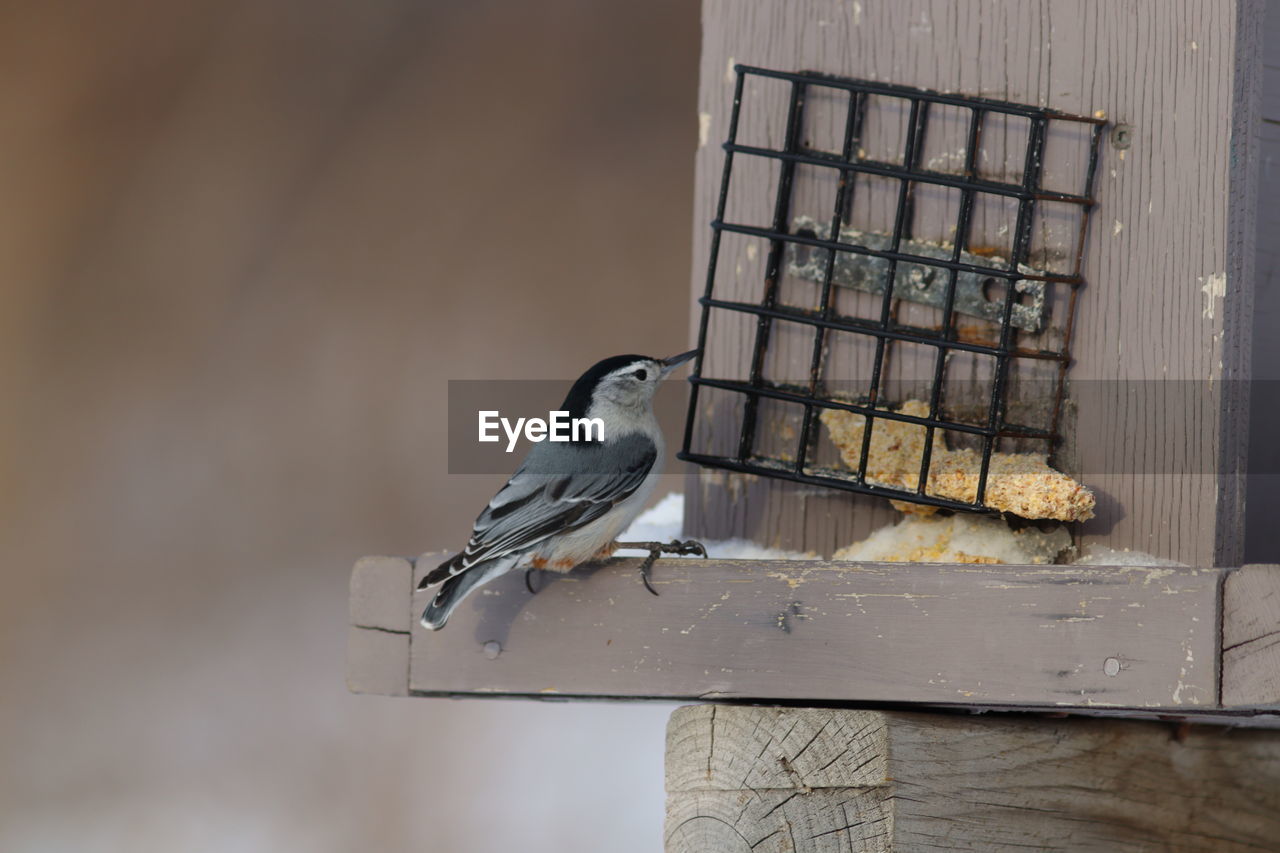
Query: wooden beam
[993, 635]
[1263, 543]
[1162, 331]
[378, 626]
[1251, 637]
[805, 780]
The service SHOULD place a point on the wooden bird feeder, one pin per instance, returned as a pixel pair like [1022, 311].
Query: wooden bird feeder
[1012, 228]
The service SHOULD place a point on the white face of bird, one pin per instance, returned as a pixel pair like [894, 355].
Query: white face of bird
[633, 385]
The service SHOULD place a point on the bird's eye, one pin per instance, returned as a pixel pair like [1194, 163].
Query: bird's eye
[641, 375]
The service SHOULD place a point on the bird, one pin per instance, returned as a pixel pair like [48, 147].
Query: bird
[568, 501]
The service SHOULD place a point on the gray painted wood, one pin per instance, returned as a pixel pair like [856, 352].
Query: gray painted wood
[1236, 339]
[379, 586]
[804, 780]
[1168, 259]
[378, 626]
[1263, 535]
[1251, 637]
[959, 634]
[377, 661]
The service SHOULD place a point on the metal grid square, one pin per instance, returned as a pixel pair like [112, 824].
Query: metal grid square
[880, 257]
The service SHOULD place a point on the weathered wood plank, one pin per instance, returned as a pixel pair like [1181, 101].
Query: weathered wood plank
[803, 779]
[1168, 260]
[377, 661]
[378, 626]
[715, 748]
[379, 588]
[1233, 381]
[964, 634]
[822, 821]
[1263, 536]
[1251, 637]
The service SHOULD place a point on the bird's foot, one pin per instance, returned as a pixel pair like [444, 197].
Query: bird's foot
[656, 549]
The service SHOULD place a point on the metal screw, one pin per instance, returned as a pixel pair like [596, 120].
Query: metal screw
[1111, 666]
[1121, 136]
[492, 649]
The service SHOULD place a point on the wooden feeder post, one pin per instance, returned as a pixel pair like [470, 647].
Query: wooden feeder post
[1155, 421]
[1157, 413]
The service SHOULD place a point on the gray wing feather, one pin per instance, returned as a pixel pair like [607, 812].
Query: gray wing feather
[558, 488]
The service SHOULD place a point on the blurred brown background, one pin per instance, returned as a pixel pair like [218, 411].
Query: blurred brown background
[245, 246]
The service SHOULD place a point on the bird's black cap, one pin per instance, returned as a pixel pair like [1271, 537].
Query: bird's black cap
[579, 399]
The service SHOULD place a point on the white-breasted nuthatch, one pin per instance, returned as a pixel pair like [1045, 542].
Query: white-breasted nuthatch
[568, 501]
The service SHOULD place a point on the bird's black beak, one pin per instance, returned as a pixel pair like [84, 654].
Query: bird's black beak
[670, 364]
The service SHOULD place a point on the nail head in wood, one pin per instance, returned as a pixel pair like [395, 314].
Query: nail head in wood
[1121, 137]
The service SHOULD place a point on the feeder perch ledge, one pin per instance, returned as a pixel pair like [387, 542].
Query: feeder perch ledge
[1144, 641]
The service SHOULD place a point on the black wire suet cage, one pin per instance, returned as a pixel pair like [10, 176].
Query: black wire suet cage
[889, 264]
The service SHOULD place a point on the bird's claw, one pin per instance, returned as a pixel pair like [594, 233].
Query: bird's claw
[686, 548]
[644, 570]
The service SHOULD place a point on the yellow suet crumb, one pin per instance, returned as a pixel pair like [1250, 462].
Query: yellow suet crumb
[1019, 483]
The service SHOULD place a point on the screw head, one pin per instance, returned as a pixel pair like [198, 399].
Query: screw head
[1121, 136]
[492, 649]
[1111, 666]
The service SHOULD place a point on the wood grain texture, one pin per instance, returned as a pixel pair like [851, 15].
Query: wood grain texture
[1168, 259]
[803, 779]
[962, 634]
[378, 626]
[781, 821]
[1251, 637]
